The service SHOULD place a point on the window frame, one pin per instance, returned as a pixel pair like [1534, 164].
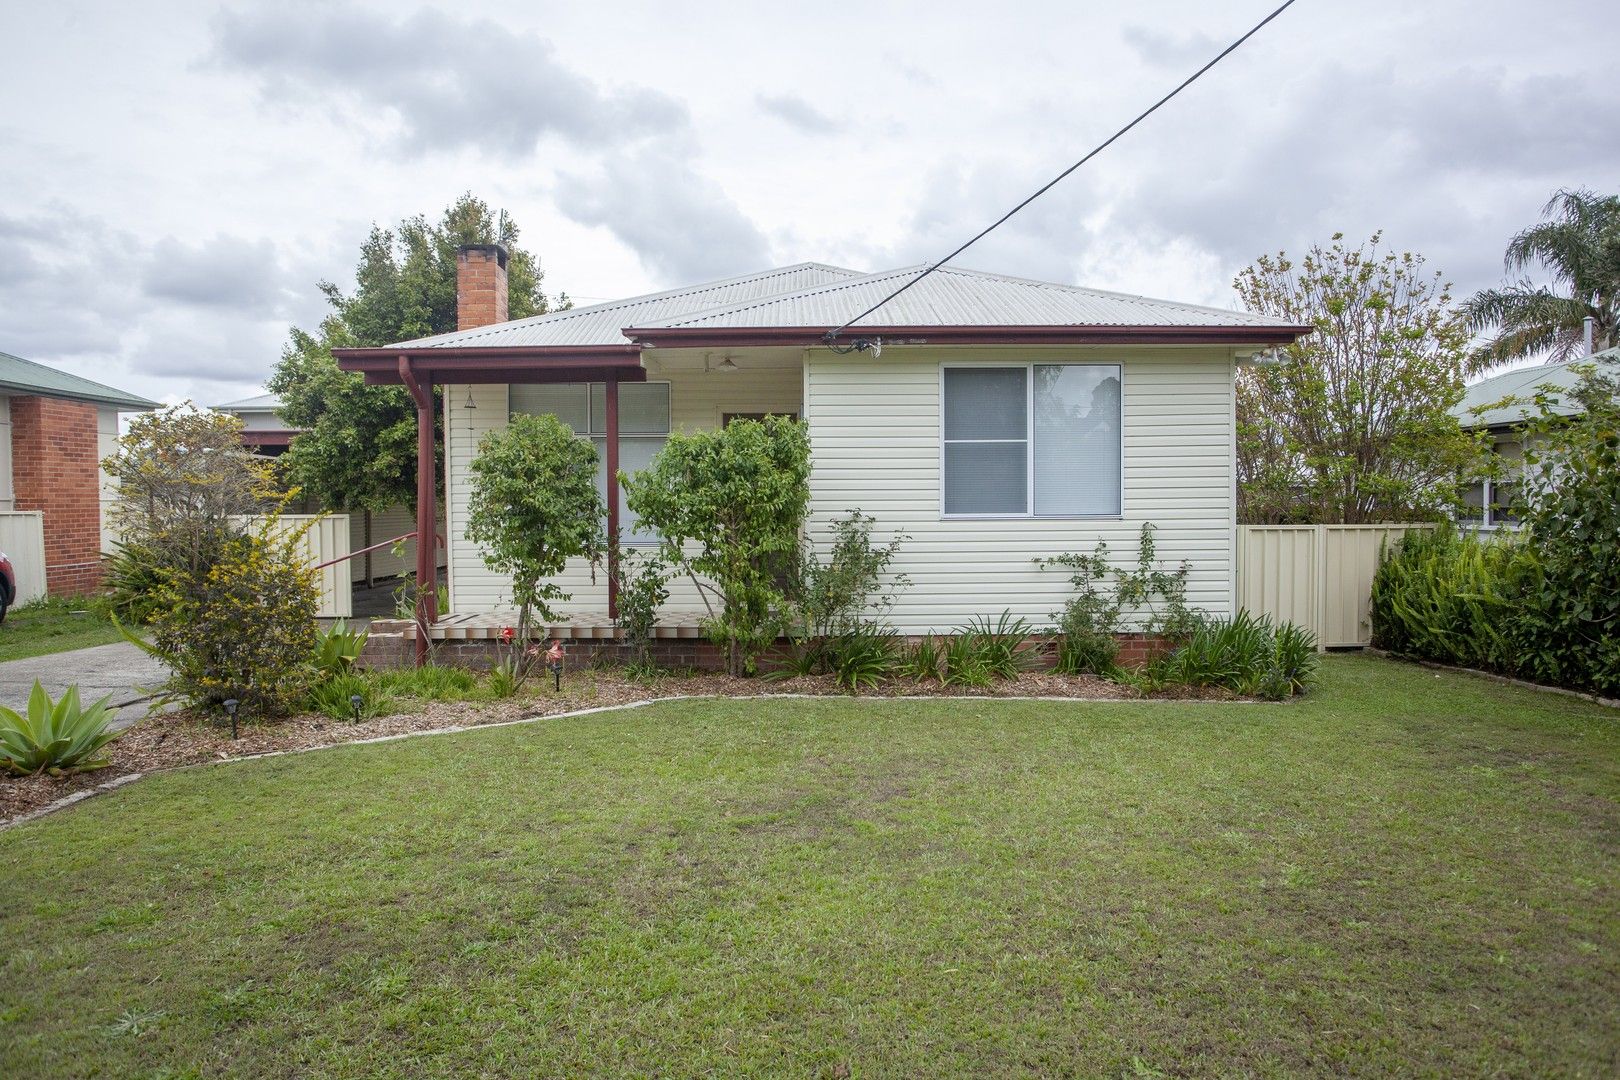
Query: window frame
[593, 436]
[1029, 367]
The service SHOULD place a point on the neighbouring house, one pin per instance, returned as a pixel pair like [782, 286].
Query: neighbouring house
[1500, 407]
[265, 433]
[1000, 420]
[58, 429]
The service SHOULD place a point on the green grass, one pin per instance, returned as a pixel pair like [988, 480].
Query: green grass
[54, 625]
[1405, 873]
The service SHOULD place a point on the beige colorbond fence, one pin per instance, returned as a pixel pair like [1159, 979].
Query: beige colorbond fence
[1318, 576]
[22, 536]
[327, 539]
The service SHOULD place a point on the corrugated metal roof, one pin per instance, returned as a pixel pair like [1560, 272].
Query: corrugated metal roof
[1521, 384]
[956, 297]
[251, 404]
[19, 376]
[603, 324]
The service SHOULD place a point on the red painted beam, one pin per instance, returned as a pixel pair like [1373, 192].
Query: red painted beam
[611, 393]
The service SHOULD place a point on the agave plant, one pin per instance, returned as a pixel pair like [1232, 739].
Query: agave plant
[55, 737]
[337, 649]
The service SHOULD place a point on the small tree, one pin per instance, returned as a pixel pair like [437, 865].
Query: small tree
[182, 475]
[1353, 423]
[534, 505]
[739, 497]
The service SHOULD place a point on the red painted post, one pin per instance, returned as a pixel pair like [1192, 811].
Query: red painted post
[612, 396]
[427, 563]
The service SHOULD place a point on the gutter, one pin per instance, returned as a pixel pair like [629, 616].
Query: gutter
[740, 336]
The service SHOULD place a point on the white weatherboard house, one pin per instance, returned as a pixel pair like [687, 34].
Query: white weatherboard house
[1002, 420]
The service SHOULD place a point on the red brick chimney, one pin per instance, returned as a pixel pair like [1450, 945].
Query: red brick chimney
[480, 285]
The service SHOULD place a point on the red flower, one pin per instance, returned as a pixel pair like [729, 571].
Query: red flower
[506, 633]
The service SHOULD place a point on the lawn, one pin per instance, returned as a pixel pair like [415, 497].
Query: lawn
[1406, 873]
[54, 625]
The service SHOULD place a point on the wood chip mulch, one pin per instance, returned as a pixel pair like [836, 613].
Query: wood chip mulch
[174, 740]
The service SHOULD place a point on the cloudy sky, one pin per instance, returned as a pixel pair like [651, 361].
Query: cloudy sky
[176, 177]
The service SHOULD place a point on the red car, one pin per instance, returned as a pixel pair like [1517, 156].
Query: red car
[8, 585]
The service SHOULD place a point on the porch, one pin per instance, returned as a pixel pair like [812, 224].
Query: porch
[583, 626]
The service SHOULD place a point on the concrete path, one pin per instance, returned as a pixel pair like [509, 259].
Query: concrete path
[119, 669]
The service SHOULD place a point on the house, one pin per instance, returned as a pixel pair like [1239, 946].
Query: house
[58, 429]
[993, 420]
[1499, 406]
[265, 433]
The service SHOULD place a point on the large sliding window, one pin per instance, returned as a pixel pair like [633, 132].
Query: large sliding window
[1031, 440]
[643, 427]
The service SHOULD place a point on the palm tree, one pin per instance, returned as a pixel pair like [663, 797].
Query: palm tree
[1578, 243]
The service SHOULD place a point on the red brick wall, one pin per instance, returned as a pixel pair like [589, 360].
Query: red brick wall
[55, 467]
[480, 286]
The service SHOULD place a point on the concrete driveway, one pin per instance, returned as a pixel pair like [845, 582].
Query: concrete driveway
[119, 669]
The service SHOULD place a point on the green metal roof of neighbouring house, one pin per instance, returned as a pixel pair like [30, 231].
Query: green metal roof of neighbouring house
[19, 376]
[1521, 385]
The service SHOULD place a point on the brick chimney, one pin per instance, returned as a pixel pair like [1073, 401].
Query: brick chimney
[480, 285]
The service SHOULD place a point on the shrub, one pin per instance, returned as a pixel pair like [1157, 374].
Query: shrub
[831, 596]
[1001, 644]
[131, 574]
[729, 506]
[337, 648]
[55, 737]
[334, 697]
[241, 628]
[965, 662]
[643, 586]
[1089, 625]
[1246, 654]
[863, 655]
[1450, 596]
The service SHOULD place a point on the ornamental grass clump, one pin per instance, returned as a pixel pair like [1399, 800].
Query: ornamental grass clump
[56, 737]
[1246, 654]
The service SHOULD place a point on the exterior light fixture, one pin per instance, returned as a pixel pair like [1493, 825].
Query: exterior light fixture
[231, 705]
[471, 404]
[356, 702]
[726, 364]
[554, 661]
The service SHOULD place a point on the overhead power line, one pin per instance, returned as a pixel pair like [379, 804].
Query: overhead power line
[831, 337]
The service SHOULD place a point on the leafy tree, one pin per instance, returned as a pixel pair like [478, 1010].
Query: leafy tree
[357, 449]
[1352, 423]
[738, 497]
[533, 506]
[182, 475]
[1578, 243]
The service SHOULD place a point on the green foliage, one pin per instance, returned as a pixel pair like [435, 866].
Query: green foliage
[1353, 423]
[738, 498]
[833, 595]
[1541, 604]
[55, 737]
[924, 661]
[1577, 242]
[357, 446]
[965, 662]
[862, 655]
[643, 587]
[182, 476]
[1000, 644]
[1247, 655]
[405, 597]
[430, 682]
[533, 506]
[333, 697]
[131, 575]
[244, 627]
[1088, 626]
[337, 648]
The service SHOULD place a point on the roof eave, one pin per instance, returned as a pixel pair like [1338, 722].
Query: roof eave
[123, 403]
[496, 363]
[741, 336]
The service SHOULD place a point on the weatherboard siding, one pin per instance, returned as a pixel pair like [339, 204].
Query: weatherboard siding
[698, 401]
[875, 436]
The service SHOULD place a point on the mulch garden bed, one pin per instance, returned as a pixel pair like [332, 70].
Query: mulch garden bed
[174, 740]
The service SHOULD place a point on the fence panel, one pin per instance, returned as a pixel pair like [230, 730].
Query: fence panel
[1318, 576]
[327, 539]
[22, 536]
